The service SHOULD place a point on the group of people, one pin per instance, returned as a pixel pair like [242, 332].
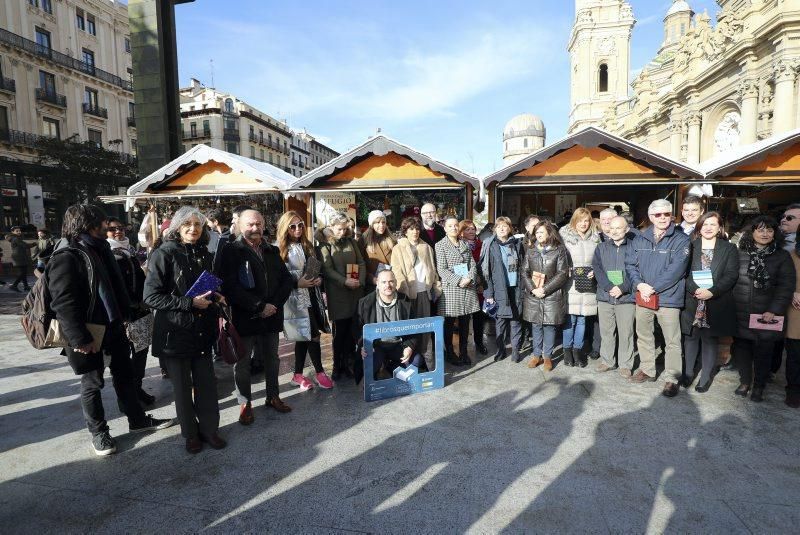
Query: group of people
[678, 287]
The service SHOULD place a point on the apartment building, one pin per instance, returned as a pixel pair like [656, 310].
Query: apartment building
[65, 72]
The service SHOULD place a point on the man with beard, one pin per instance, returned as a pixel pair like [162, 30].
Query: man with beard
[432, 231]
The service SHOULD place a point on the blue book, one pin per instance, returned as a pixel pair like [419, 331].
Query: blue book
[703, 279]
[206, 282]
[462, 270]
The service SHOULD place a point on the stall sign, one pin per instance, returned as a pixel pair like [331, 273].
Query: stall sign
[8, 192]
[334, 202]
[405, 381]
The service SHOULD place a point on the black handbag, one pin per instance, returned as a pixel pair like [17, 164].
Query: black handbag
[583, 284]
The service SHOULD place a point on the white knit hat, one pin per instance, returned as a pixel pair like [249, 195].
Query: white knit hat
[374, 216]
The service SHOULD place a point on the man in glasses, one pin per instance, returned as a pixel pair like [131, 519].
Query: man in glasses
[789, 223]
[656, 266]
[432, 231]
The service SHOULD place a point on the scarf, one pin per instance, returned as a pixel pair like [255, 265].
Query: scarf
[121, 245]
[471, 244]
[756, 268]
[105, 286]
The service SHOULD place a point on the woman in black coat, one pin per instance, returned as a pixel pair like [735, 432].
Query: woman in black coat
[185, 328]
[710, 310]
[764, 291]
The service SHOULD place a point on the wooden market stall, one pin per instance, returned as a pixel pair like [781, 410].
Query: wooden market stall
[591, 168]
[207, 177]
[386, 175]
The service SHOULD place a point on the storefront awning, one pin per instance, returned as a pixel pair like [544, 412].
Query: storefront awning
[774, 161]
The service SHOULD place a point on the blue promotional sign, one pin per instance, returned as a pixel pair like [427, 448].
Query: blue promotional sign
[407, 380]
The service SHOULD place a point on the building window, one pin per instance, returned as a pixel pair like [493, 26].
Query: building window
[128, 45]
[252, 152]
[130, 75]
[134, 147]
[90, 98]
[231, 147]
[47, 6]
[131, 110]
[193, 129]
[261, 138]
[4, 123]
[261, 154]
[34, 3]
[88, 59]
[90, 25]
[270, 157]
[252, 132]
[206, 128]
[80, 19]
[47, 82]
[50, 128]
[602, 80]
[96, 137]
[229, 105]
[42, 40]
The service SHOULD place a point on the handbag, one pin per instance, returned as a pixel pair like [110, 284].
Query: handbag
[652, 304]
[583, 284]
[229, 343]
[55, 336]
[756, 322]
[140, 332]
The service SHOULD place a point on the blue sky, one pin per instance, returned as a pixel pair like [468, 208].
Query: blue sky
[443, 77]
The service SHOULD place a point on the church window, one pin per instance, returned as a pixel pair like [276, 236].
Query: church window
[602, 83]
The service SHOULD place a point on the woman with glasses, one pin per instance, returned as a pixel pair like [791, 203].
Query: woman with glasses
[458, 272]
[467, 231]
[763, 294]
[376, 245]
[133, 276]
[415, 271]
[306, 299]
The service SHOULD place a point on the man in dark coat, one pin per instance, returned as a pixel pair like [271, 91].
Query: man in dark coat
[386, 305]
[21, 258]
[86, 287]
[432, 231]
[256, 284]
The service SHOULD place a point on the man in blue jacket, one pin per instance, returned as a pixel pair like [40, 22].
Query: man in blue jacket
[615, 308]
[656, 265]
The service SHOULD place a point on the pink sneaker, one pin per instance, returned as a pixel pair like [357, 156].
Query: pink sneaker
[324, 381]
[302, 382]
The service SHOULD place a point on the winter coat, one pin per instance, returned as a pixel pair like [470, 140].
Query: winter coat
[554, 263]
[581, 252]
[456, 301]
[294, 305]
[20, 251]
[662, 265]
[494, 275]
[776, 298]
[268, 282]
[336, 254]
[179, 329]
[720, 309]
[382, 254]
[367, 313]
[608, 256]
[403, 261]
[792, 314]
[133, 276]
[438, 235]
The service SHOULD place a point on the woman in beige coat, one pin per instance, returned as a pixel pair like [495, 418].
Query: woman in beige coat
[415, 271]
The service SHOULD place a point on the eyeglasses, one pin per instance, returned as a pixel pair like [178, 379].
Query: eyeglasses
[663, 214]
[296, 226]
[116, 229]
[789, 218]
[427, 213]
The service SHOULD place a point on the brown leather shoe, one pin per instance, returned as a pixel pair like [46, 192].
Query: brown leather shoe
[278, 405]
[641, 377]
[548, 364]
[246, 414]
[534, 362]
[193, 445]
[215, 441]
[670, 390]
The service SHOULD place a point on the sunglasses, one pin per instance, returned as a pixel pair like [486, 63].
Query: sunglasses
[663, 214]
[116, 229]
[297, 226]
[789, 218]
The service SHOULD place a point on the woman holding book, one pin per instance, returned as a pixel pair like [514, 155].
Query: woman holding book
[710, 310]
[415, 271]
[458, 272]
[305, 302]
[763, 293]
[376, 246]
[344, 273]
[185, 328]
[468, 232]
[581, 238]
[545, 272]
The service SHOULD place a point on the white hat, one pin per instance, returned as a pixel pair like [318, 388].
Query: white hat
[374, 216]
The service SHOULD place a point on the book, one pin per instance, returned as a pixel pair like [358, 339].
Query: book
[462, 269]
[206, 282]
[652, 303]
[313, 268]
[757, 322]
[703, 278]
[352, 271]
[615, 276]
[538, 279]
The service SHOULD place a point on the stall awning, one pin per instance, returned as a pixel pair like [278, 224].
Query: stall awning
[594, 157]
[774, 161]
[381, 163]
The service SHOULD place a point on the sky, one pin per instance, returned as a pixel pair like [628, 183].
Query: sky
[443, 77]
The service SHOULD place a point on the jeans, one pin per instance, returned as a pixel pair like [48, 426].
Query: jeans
[195, 389]
[710, 349]
[544, 338]
[574, 331]
[503, 326]
[241, 370]
[754, 360]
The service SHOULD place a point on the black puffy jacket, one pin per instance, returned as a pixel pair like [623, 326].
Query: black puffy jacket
[179, 330]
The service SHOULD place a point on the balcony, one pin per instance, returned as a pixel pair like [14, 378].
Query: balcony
[51, 97]
[16, 137]
[252, 137]
[64, 60]
[8, 84]
[230, 134]
[132, 122]
[93, 109]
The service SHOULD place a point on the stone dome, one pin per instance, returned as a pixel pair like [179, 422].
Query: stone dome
[525, 124]
[678, 6]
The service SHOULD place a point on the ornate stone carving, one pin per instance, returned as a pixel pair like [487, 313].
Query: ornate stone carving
[705, 42]
[626, 11]
[748, 88]
[785, 69]
[607, 46]
[728, 132]
[694, 119]
[585, 16]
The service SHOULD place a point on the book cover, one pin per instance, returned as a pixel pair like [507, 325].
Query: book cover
[352, 271]
[615, 276]
[206, 282]
[462, 270]
[538, 279]
[757, 322]
[703, 278]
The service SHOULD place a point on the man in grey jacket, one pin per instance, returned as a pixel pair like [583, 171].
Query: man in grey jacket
[615, 302]
[656, 265]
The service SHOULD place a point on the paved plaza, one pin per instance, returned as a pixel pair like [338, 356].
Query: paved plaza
[500, 449]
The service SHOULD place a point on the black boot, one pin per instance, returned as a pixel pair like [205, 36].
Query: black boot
[579, 357]
[568, 358]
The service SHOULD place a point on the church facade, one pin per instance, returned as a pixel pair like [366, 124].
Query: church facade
[710, 88]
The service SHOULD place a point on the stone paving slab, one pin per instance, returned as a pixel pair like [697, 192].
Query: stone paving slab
[501, 448]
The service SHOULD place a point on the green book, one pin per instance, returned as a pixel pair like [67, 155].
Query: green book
[615, 276]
